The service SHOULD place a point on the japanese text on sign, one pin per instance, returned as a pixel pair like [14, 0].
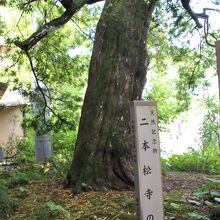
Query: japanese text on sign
[146, 150]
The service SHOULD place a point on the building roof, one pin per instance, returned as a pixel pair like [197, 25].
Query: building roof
[12, 98]
[3, 87]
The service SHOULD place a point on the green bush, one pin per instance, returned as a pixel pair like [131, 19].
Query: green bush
[63, 141]
[8, 204]
[57, 166]
[63, 145]
[17, 179]
[25, 148]
[23, 175]
[193, 161]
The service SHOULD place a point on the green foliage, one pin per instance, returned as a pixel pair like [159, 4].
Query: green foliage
[196, 215]
[8, 204]
[58, 61]
[18, 179]
[194, 161]
[177, 207]
[192, 67]
[43, 213]
[63, 145]
[2, 26]
[164, 94]
[66, 73]
[3, 2]
[25, 169]
[206, 159]
[209, 196]
[23, 175]
[63, 141]
[174, 42]
[211, 185]
[25, 148]
[58, 165]
[210, 128]
[54, 207]
[50, 210]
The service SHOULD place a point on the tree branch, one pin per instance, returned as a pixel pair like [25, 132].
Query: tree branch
[72, 6]
[45, 96]
[193, 15]
[90, 2]
[88, 35]
[28, 2]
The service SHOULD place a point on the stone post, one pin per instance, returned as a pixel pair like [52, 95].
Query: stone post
[147, 166]
[1, 154]
[43, 146]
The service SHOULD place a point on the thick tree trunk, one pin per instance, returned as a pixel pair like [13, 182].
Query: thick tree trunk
[102, 158]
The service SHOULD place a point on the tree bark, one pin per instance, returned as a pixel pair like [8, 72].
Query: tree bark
[102, 157]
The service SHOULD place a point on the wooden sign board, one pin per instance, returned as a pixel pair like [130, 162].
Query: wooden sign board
[147, 169]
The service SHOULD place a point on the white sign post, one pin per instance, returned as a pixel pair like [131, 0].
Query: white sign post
[146, 151]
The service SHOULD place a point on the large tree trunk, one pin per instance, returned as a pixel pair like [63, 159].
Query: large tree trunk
[102, 158]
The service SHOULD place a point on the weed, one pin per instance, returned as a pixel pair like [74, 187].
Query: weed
[8, 204]
[192, 161]
[50, 210]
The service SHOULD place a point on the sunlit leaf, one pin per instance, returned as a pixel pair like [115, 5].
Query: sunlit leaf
[175, 205]
[193, 202]
[200, 193]
[197, 216]
[208, 203]
[217, 200]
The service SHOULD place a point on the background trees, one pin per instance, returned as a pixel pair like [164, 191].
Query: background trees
[116, 75]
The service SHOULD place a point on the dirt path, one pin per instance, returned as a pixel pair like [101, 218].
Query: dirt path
[180, 180]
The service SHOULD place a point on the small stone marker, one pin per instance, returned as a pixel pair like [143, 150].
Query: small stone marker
[43, 143]
[146, 152]
[43, 147]
[1, 154]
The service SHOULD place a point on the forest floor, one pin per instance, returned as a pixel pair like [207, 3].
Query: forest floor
[186, 196]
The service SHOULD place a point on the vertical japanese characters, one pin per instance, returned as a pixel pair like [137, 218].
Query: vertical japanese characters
[146, 151]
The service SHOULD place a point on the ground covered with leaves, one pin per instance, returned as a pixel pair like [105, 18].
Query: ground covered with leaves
[186, 196]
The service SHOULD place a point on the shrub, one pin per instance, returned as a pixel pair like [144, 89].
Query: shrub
[50, 210]
[193, 161]
[57, 166]
[8, 204]
[25, 148]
